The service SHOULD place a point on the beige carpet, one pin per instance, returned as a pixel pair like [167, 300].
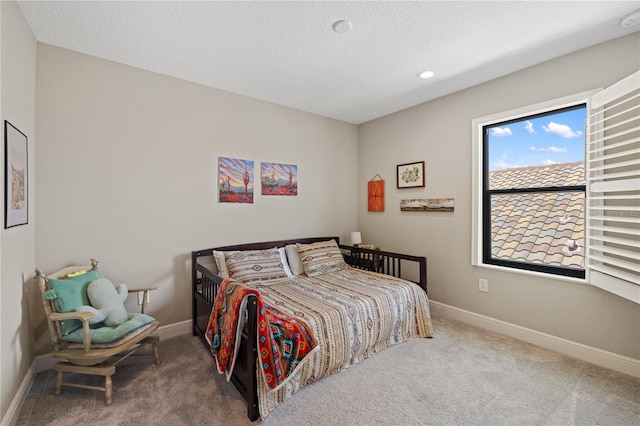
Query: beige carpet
[463, 376]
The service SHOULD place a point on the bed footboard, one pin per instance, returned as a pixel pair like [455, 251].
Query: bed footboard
[205, 288]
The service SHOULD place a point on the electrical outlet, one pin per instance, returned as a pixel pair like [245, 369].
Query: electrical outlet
[483, 285]
[141, 297]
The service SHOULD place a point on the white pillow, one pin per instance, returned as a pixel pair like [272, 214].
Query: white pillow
[221, 264]
[285, 264]
[295, 263]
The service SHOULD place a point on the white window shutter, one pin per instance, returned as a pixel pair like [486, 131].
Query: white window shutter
[613, 189]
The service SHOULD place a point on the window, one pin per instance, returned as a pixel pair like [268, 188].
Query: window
[539, 208]
[530, 188]
[533, 192]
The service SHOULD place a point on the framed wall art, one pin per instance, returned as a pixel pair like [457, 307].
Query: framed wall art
[411, 175]
[375, 194]
[16, 179]
[279, 179]
[428, 205]
[235, 180]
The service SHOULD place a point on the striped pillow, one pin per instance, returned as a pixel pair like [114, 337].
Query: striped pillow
[254, 265]
[321, 258]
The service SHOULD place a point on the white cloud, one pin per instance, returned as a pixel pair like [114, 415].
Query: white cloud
[549, 162]
[498, 165]
[549, 149]
[561, 130]
[501, 131]
[529, 127]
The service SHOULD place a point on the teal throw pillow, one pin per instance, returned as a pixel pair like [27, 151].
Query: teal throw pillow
[72, 293]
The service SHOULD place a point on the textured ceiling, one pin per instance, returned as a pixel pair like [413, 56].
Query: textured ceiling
[288, 54]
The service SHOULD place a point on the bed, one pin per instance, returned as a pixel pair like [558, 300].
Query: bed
[354, 301]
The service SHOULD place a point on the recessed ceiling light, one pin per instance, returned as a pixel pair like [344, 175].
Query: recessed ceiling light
[631, 20]
[342, 26]
[426, 74]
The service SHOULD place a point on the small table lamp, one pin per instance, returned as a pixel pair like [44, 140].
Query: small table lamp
[356, 238]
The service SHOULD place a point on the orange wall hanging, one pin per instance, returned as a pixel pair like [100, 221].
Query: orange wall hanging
[375, 194]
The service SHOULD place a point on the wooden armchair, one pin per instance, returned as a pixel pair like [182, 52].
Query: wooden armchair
[91, 350]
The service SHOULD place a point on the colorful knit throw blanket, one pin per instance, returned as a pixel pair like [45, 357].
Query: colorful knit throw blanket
[283, 341]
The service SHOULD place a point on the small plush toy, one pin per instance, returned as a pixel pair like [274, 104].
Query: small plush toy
[107, 302]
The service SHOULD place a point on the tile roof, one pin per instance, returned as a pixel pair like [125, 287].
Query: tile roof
[564, 174]
[539, 227]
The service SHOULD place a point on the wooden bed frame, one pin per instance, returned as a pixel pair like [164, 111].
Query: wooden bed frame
[205, 287]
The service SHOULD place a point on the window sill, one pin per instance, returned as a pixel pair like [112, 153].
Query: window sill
[535, 274]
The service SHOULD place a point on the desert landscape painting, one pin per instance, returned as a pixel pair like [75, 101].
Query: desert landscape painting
[428, 205]
[279, 179]
[235, 180]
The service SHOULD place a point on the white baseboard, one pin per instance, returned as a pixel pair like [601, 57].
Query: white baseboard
[46, 362]
[174, 330]
[573, 349]
[13, 412]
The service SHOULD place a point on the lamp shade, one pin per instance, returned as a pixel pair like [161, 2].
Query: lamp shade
[356, 238]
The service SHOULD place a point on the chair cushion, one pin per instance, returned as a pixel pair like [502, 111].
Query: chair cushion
[72, 293]
[103, 334]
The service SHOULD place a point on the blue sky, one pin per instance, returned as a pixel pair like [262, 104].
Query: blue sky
[549, 139]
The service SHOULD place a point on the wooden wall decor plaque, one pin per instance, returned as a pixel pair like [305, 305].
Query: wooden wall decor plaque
[375, 194]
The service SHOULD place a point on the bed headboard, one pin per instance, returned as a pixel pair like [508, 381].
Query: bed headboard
[261, 246]
[204, 290]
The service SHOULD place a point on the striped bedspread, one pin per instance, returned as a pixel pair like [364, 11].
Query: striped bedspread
[352, 313]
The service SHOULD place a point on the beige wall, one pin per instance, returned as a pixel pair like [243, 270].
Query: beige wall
[439, 132]
[17, 244]
[127, 171]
